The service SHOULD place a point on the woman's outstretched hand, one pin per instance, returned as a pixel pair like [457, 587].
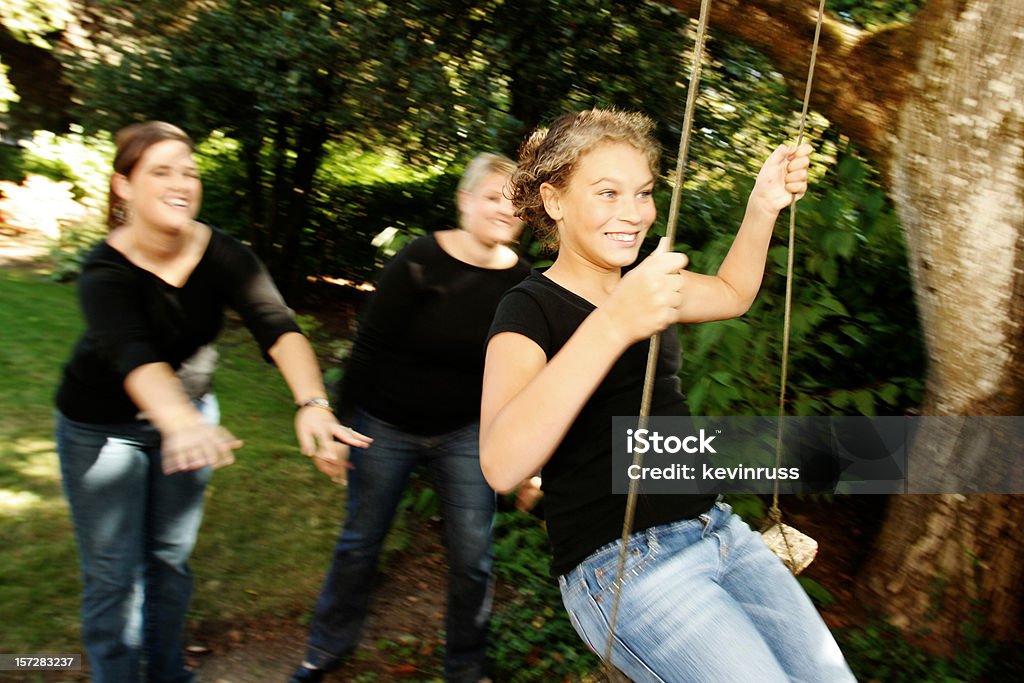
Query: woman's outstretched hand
[529, 494]
[327, 441]
[198, 445]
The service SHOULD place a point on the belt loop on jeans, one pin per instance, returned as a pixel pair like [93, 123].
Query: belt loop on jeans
[652, 537]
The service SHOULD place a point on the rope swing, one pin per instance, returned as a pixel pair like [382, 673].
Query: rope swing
[794, 548]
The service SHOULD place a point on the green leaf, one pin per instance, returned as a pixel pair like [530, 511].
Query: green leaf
[889, 393]
[864, 401]
[818, 593]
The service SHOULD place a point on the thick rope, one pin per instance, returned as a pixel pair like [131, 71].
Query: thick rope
[775, 513]
[655, 345]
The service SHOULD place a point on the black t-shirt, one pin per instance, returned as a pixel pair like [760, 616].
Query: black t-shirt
[133, 317]
[582, 513]
[418, 360]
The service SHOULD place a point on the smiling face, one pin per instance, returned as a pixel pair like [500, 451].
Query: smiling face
[487, 213]
[163, 190]
[606, 208]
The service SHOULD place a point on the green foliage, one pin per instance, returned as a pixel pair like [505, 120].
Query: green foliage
[881, 652]
[7, 94]
[852, 297]
[83, 160]
[818, 593]
[68, 251]
[31, 21]
[12, 162]
[435, 79]
[361, 195]
[874, 13]
[538, 641]
[748, 506]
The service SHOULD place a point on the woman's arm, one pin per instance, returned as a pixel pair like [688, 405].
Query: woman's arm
[731, 291]
[319, 433]
[187, 443]
[528, 404]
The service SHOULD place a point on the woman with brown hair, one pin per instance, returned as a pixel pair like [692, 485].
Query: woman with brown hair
[137, 428]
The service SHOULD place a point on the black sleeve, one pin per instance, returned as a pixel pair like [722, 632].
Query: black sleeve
[388, 312]
[252, 293]
[520, 312]
[114, 309]
[397, 296]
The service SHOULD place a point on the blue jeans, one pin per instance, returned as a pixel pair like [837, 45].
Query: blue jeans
[705, 601]
[135, 528]
[375, 485]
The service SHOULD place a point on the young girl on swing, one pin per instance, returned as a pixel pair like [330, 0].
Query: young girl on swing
[703, 598]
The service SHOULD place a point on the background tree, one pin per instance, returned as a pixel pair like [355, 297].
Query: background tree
[29, 30]
[280, 78]
[936, 103]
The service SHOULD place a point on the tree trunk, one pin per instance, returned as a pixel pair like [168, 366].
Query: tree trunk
[309, 145]
[946, 564]
[937, 104]
[44, 98]
[250, 154]
[957, 178]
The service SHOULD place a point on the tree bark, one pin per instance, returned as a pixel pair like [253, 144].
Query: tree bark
[860, 77]
[937, 104]
[957, 179]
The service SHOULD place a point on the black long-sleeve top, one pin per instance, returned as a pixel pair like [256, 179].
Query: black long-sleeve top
[133, 317]
[418, 359]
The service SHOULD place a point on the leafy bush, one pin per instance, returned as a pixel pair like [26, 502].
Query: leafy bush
[83, 160]
[348, 214]
[852, 297]
[73, 244]
[357, 197]
[534, 625]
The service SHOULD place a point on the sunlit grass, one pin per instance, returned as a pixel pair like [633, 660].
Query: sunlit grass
[38, 564]
[271, 518]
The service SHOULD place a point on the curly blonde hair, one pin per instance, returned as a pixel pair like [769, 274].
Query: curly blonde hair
[550, 155]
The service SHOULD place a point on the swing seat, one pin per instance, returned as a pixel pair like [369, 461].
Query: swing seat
[796, 549]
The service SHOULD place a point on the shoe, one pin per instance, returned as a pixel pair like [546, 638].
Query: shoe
[304, 675]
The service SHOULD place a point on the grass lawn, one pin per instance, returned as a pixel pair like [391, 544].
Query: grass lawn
[270, 521]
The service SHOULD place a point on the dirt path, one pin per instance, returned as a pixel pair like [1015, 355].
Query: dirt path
[21, 250]
[402, 640]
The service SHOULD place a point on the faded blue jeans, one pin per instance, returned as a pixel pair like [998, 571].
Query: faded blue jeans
[135, 528]
[704, 601]
[375, 485]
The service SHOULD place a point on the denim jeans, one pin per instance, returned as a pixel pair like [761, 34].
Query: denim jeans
[135, 528]
[704, 601]
[375, 485]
